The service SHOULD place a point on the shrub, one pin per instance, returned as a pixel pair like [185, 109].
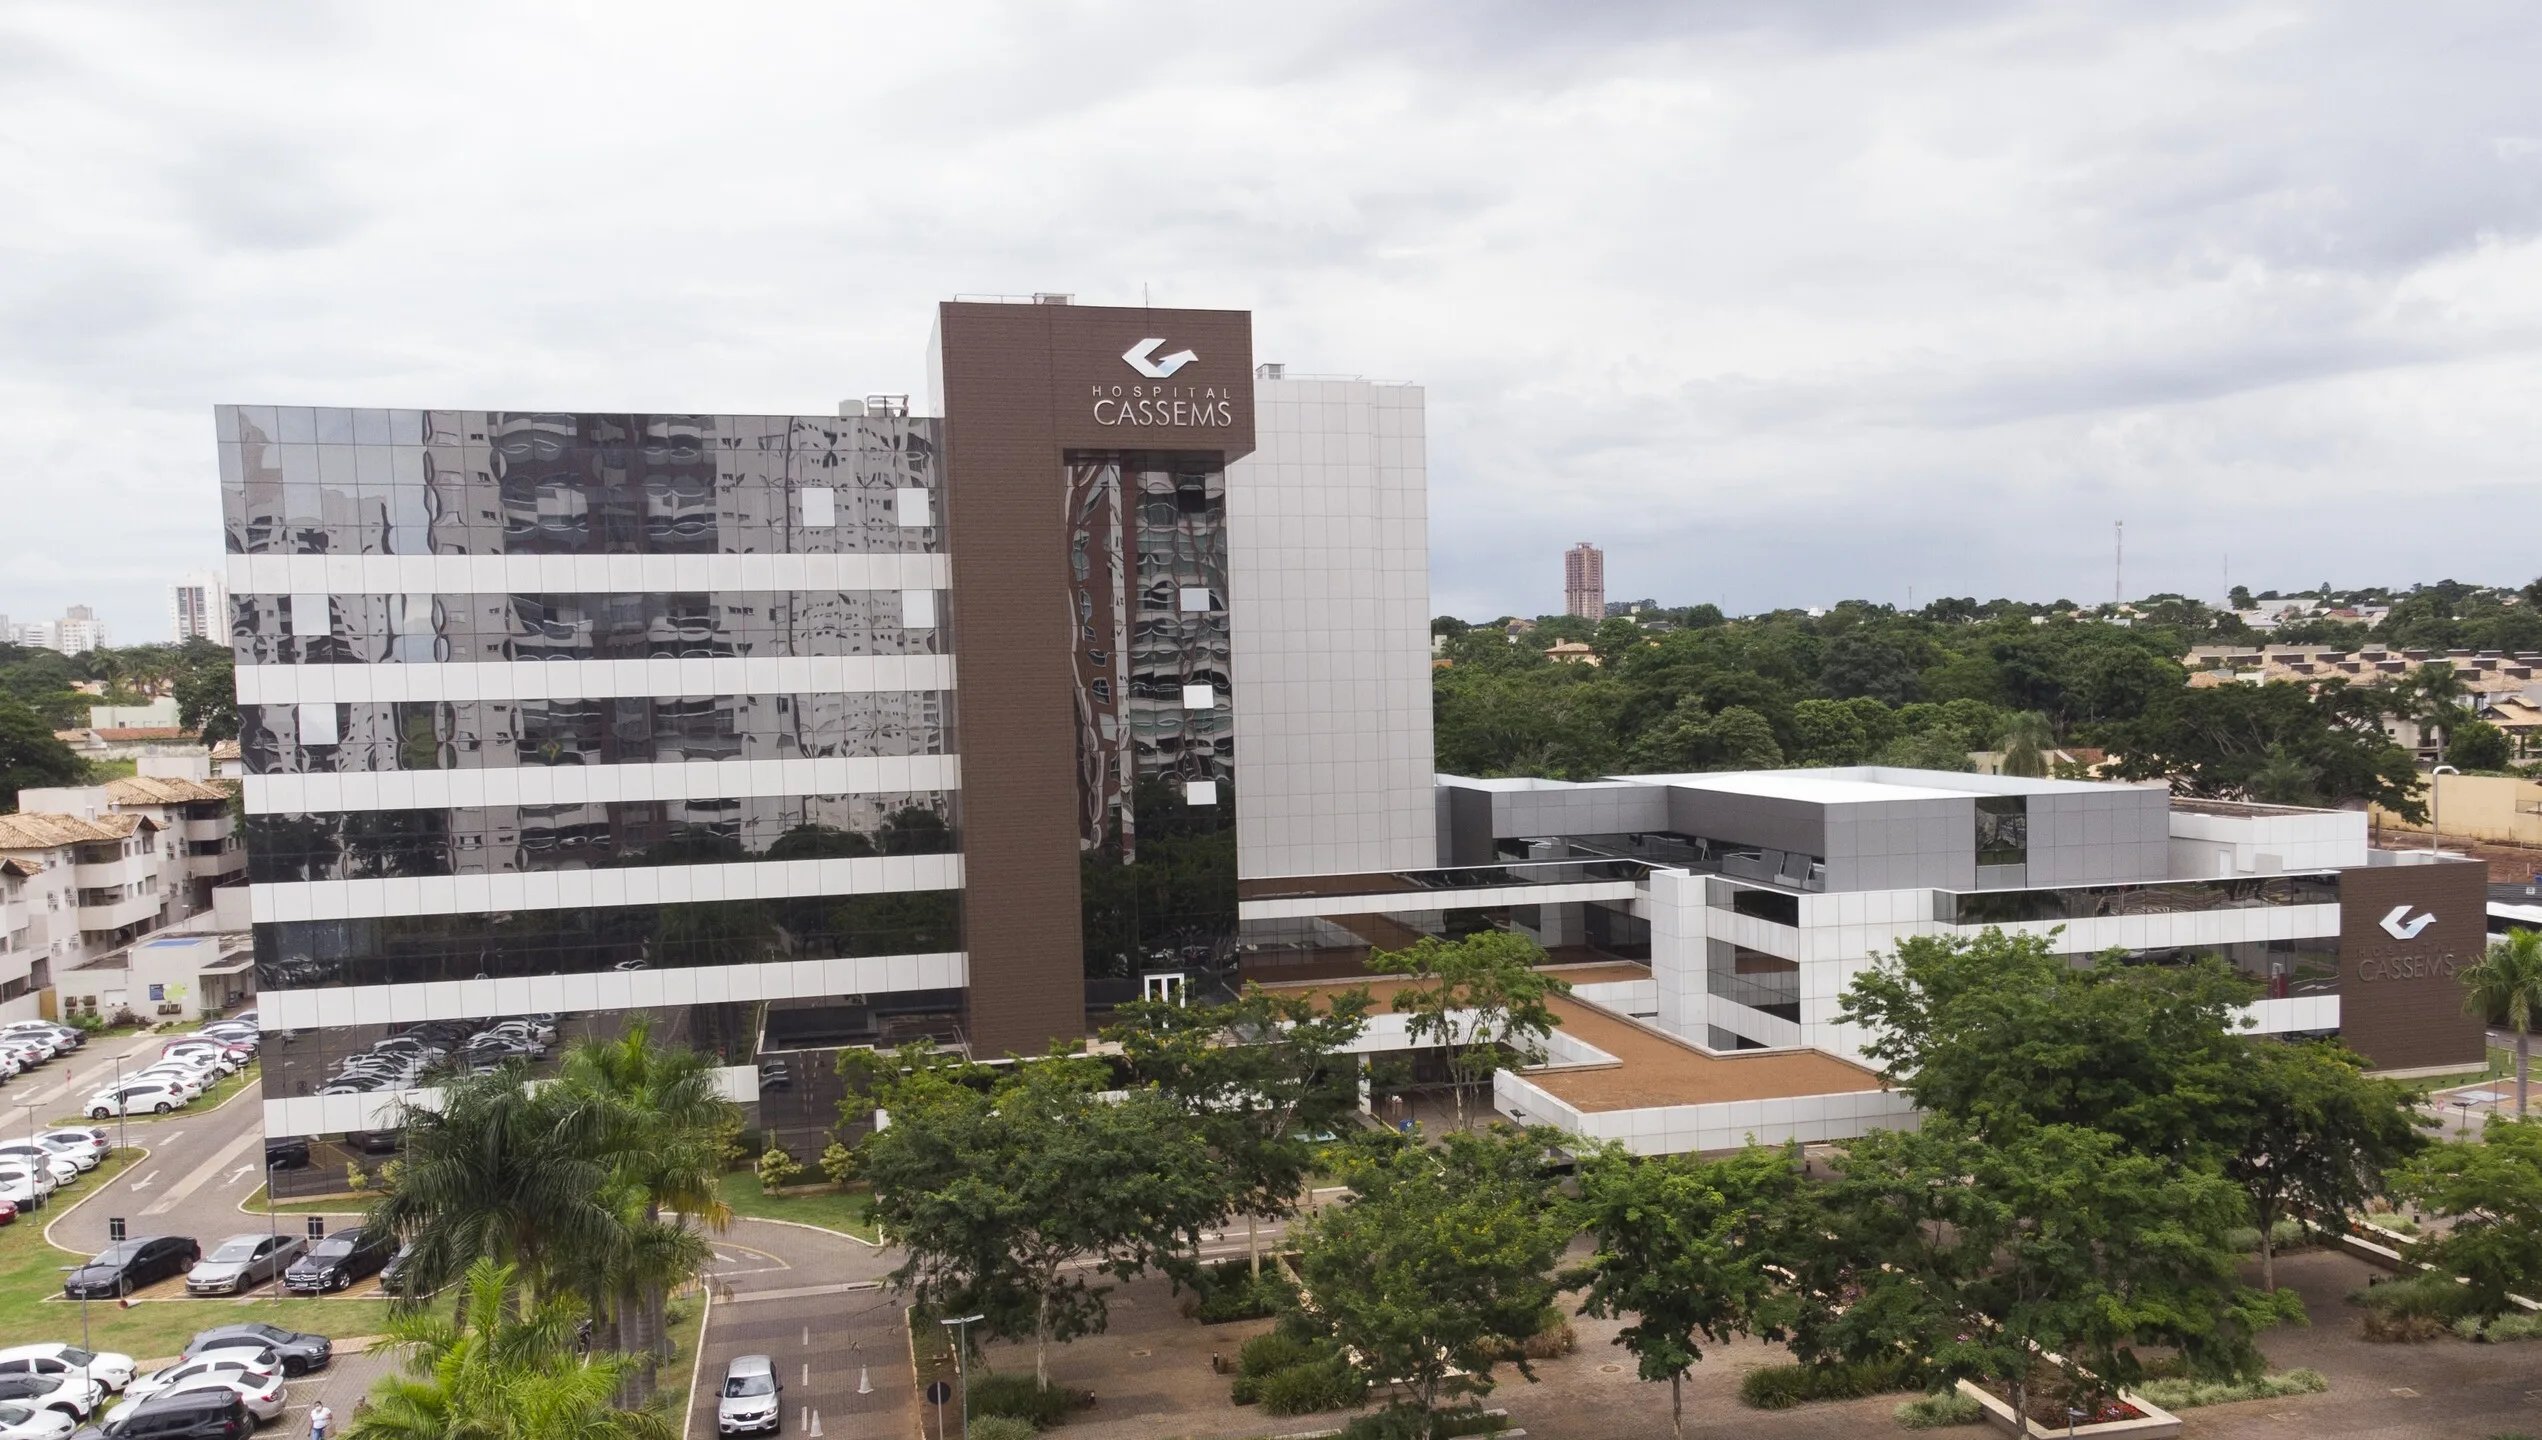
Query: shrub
[1780, 1387]
[1269, 1354]
[1400, 1423]
[2189, 1394]
[1554, 1337]
[2285, 1235]
[2522, 1325]
[1001, 1427]
[777, 1169]
[838, 1163]
[1229, 1291]
[993, 1393]
[2419, 1308]
[1932, 1412]
[1331, 1383]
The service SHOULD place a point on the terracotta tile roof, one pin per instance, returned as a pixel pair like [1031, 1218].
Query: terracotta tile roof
[226, 750]
[161, 790]
[40, 831]
[146, 732]
[15, 866]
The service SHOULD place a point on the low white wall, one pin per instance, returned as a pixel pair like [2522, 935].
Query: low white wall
[1683, 1129]
[1625, 997]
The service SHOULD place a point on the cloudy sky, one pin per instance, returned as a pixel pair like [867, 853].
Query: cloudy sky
[1780, 303]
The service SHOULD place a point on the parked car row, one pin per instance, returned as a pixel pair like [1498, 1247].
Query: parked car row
[187, 1066]
[33, 1168]
[26, 1044]
[226, 1382]
[400, 1061]
[238, 1264]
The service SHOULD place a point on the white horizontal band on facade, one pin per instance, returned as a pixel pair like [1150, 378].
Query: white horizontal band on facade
[599, 784]
[1400, 902]
[383, 1109]
[590, 679]
[413, 1003]
[579, 574]
[577, 889]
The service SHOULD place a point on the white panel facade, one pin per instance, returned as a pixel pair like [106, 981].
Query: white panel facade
[504, 574]
[572, 889]
[1329, 581]
[589, 679]
[599, 784]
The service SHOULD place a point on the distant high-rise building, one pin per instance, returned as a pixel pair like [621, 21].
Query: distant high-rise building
[77, 632]
[198, 608]
[1584, 581]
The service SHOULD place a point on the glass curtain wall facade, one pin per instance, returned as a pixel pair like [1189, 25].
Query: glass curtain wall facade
[1153, 700]
[657, 705]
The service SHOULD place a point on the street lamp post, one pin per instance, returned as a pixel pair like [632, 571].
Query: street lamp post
[83, 1310]
[272, 1227]
[2436, 804]
[961, 1363]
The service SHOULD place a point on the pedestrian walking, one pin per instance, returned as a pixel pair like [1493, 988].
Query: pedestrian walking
[321, 1420]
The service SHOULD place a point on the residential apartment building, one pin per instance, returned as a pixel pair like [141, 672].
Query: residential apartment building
[198, 608]
[1584, 581]
[76, 633]
[791, 732]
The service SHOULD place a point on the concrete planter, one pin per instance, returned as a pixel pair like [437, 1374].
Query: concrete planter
[2155, 1423]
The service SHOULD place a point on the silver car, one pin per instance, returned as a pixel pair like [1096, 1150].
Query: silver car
[243, 1262]
[750, 1403]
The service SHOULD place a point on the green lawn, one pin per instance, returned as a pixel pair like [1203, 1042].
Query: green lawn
[32, 1306]
[210, 1099]
[254, 1204]
[843, 1210]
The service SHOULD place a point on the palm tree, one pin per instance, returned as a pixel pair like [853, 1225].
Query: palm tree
[2505, 988]
[656, 1118]
[2026, 742]
[502, 1367]
[492, 1172]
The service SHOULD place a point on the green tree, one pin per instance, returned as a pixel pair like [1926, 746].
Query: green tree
[207, 700]
[1441, 1263]
[496, 1170]
[1257, 1076]
[656, 1116]
[1009, 1188]
[1976, 1255]
[1680, 1249]
[2214, 741]
[2505, 989]
[2026, 745]
[1998, 1033]
[2492, 1190]
[1478, 998]
[2310, 1134]
[2479, 745]
[30, 758]
[504, 1366]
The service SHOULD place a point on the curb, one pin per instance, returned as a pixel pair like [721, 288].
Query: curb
[817, 1229]
[139, 1154]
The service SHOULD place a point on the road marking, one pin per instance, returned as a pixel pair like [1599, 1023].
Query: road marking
[804, 1291]
[144, 1182]
[203, 1173]
[235, 1174]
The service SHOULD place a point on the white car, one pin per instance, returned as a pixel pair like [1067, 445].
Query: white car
[256, 1365]
[99, 1141]
[182, 1079]
[18, 1188]
[25, 1420]
[29, 1053]
[206, 1055]
[82, 1152]
[107, 1367]
[263, 1394]
[62, 1168]
[134, 1097]
[41, 1181]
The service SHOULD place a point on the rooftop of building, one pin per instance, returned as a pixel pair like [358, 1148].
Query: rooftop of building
[165, 790]
[1838, 785]
[38, 830]
[1652, 1068]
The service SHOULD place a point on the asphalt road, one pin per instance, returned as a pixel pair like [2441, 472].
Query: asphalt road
[197, 1165]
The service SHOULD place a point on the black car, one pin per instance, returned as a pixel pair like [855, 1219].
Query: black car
[48, 1392]
[300, 1353]
[393, 1274]
[129, 1265]
[338, 1261]
[211, 1413]
[291, 1152]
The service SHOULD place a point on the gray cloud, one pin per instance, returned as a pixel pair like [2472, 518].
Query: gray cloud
[1782, 303]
